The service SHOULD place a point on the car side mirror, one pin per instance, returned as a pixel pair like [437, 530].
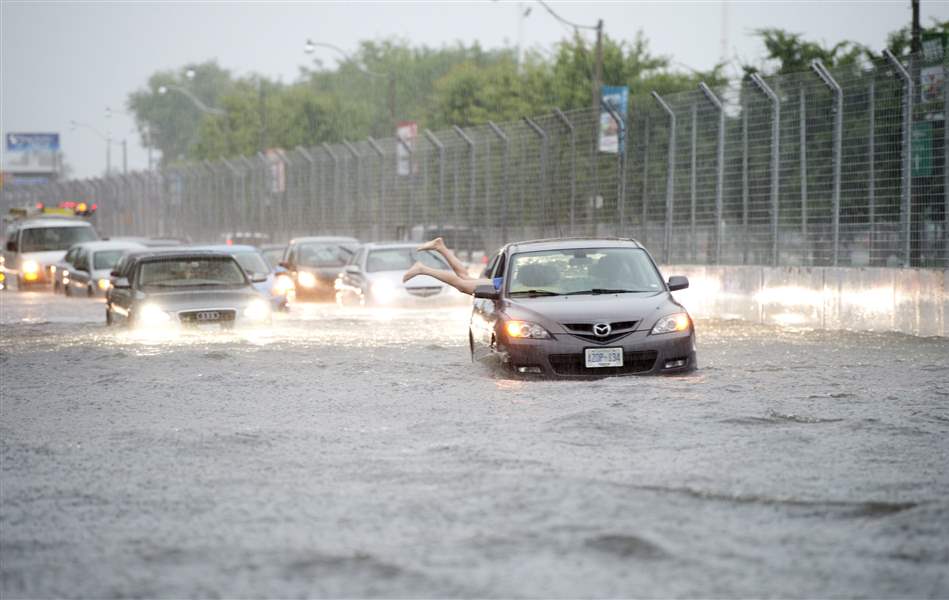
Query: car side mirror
[11, 246]
[258, 277]
[487, 292]
[121, 283]
[353, 269]
[678, 282]
[284, 264]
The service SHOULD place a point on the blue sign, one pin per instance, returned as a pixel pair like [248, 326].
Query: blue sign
[612, 134]
[32, 142]
[31, 153]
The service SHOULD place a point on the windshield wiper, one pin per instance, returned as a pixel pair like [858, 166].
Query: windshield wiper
[596, 291]
[534, 293]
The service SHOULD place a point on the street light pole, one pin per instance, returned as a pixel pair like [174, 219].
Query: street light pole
[598, 67]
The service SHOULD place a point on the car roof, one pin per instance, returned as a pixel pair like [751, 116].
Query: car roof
[227, 249]
[51, 221]
[301, 240]
[109, 245]
[173, 253]
[571, 244]
[385, 245]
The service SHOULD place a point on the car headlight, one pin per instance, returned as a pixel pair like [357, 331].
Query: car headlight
[383, 291]
[526, 329]
[151, 315]
[306, 279]
[30, 266]
[672, 323]
[282, 286]
[104, 284]
[257, 310]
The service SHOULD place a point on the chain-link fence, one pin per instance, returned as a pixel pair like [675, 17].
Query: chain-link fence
[842, 166]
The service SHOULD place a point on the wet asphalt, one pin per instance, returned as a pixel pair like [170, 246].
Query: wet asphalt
[359, 453]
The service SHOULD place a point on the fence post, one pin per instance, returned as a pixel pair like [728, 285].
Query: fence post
[573, 166]
[237, 174]
[377, 233]
[744, 180]
[354, 220]
[335, 158]
[945, 171]
[620, 164]
[645, 204]
[543, 173]
[408, 149]
[906, 175]
[692, 191]
[670, 176]
[775, 158]
[871, 141]
[802, 130]
[837, 156]
[441, 170]
[504, 169]
[720, 168]
[471, 173]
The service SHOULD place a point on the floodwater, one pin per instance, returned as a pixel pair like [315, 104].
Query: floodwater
[360, 453]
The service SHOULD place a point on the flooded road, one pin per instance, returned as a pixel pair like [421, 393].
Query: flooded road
[360, 453]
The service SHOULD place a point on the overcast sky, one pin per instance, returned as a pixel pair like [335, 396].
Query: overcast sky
[65, 61]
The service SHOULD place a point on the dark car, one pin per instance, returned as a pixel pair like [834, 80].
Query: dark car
[581, 308]
[173, 289]
[315, 262]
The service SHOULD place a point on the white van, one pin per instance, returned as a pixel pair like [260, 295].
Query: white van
[34, 244]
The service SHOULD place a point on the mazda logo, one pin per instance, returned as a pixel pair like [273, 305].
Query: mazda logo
[602, 329]
[210, 315]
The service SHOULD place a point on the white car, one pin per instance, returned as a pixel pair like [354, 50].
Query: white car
[374, 278]
[89, 265]
[34, 244]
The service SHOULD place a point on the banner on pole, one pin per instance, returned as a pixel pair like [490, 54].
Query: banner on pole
[407, 131]
[618, 99]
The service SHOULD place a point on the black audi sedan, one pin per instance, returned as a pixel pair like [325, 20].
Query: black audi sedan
[577, 308]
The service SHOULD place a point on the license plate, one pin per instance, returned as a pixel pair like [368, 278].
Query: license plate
[603, 357]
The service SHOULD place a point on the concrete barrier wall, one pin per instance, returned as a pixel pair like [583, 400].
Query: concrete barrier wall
[913, 301]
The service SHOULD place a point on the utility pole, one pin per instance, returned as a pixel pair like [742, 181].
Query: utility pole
[916, 44]
[108, 155]
[392, 102]
[125, 157]
[598, 68]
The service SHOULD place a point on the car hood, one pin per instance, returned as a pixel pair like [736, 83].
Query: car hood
[607, 308]
[395, 277]
[195, 299]
[49, 257]
[324, 273]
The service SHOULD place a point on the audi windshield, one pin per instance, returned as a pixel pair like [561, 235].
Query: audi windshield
[190, 272]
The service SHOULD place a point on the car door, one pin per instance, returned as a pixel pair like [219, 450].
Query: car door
[80, 274]
[484, 314]
[120, 296]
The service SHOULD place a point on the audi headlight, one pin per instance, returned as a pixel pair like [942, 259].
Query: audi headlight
[671, 324]
[151, 315]
[306, 279]
[30, 267]
[383, 291]
[526, 329]
[257, 310]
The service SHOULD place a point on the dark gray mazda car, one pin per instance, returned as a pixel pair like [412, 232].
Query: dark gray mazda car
[581, 308]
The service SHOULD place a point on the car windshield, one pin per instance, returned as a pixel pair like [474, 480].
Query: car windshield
[582, 271]
[322, 255]
[400, 259]
[273, 256]
[106, 259]
[42, 239]
[252, 262]
[189, 272]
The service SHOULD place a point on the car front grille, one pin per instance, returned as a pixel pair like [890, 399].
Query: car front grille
[584, 331]
[423, 292]
[575, 364]
[198, 317]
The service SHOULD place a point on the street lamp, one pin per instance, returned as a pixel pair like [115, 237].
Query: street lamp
[310, 48]
[162, 90]
[107, 138]
[109, 111]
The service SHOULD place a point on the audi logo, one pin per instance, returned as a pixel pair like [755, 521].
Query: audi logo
[602, 329]
[208, 315]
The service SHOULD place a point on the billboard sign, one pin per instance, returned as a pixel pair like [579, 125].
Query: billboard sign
[31, 152]
[407, 132]
[618, 99]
